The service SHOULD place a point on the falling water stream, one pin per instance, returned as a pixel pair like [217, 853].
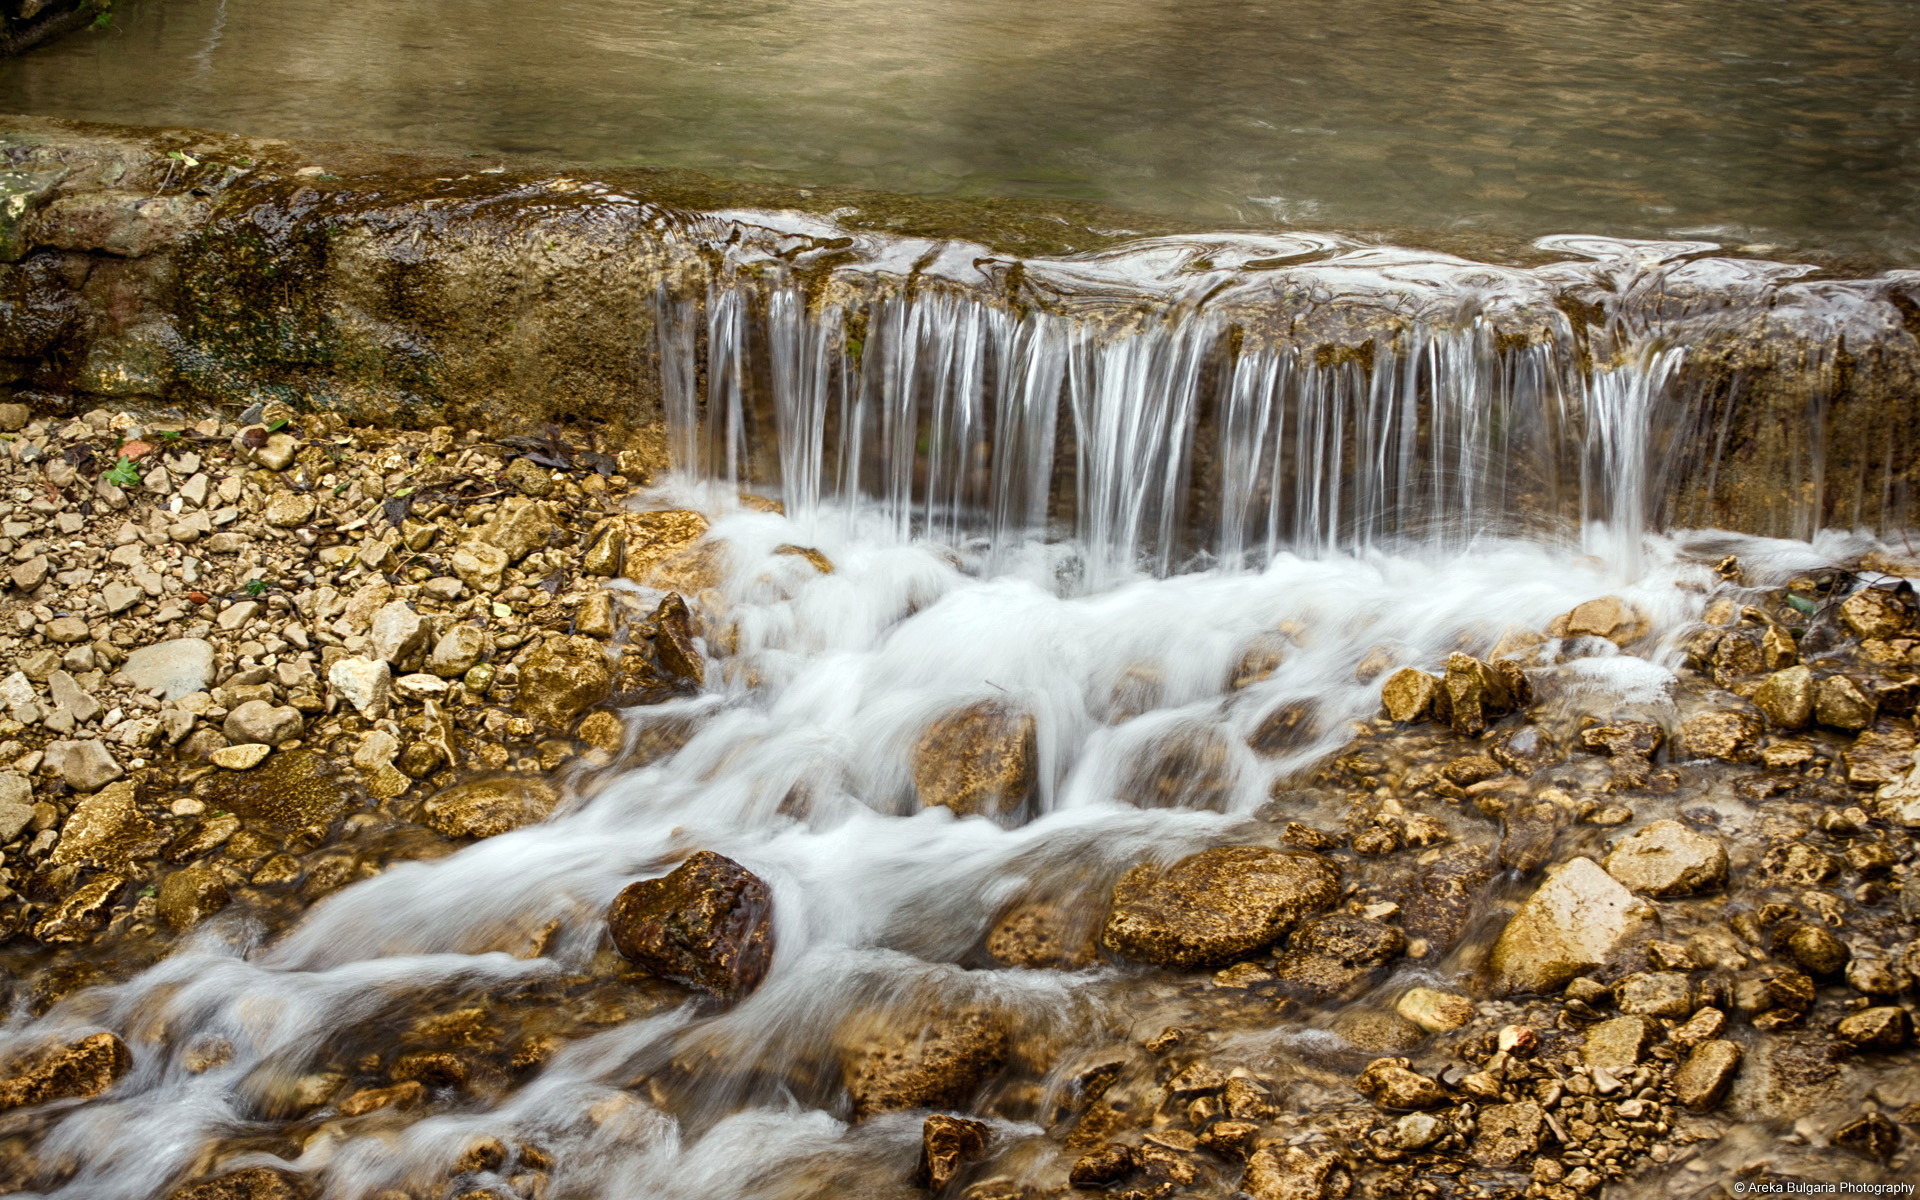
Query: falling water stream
[1092, 514]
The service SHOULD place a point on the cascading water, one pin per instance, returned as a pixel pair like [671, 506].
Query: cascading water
[1090, 514]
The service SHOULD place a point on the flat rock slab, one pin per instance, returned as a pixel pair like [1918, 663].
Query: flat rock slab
[1218, 905]
[180, 667]
[1577, 920]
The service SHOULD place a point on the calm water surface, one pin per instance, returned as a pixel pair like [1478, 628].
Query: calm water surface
[1793, 123]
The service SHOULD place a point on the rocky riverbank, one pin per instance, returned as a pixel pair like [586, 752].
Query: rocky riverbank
[1500, 945]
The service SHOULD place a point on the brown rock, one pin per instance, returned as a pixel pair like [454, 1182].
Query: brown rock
[1838, 703]
[1886, 1027]
[1703, 1081]
[1337, 955]
[1578, 919]
[518, 528]
[978, 760]
[562, 679]
[1870, 1135]
[1411, 695]
[947, 1145]
[649, 540]
[1508, 1134]
[1434, 1011]
[489, 807]
[1812, 947]
[191, 895]
[1044, 934]
[1108, 1165]
[1666, 858]
[1296, 1173]
[1188, 768]
[1609, 617]
[1875, 613]
[291, 790]
[924, 1059]
[1478, 693]
[1445, 894]
[77, 1071]
[1730, 736]
[1618, 1044]
[1392, 1083]
[1218, 905]
[708, 924]
[108, 830]
[83, 914]
[1786, 697]
[250, 1183]
[673, 647]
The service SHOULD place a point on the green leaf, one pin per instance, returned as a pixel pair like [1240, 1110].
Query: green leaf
[1801, 602]
[124, 474]
[277, 426]
[256, 586]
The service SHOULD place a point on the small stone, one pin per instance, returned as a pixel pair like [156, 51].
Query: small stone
[119, 597]
[1875, 613]
[1416, 1131]
[1871, 1135]
[1729, 736]
[260, 721]
[1410, 695]
[365, 684]
[1617, 1044]
[1654, 994]
[277, 454]
[489, 807]
[1577, 920]
[947, 1146]
[708, 923]
[458, 649]
[1434, 1011]
[977, 760]
[1702, 1026]
[86, 765]
[1667, 859]
[1392, 1083]
[1508, 1134]
[1813, 948]
[524, 475]
[564, 678]
[397, 633]
[30, 574]
[1295, 1173]
[421, 686]
[67, 630]
[179, 667]
[236, 615]
[929, 1057]
[1786, 697]
[1887, 1027]
[191, 895]
[1838, 703]
[603, 731]
[479, 566]
[1110, 1164]
[288, 509]
[595, 618]
[1702, 1082]
[240, 758]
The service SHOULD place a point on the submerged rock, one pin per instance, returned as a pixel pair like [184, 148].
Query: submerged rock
[1730, 736]
[292, 789]
[1041, 934]
[1786, 697]
[1702, 1082]
[1580, 918]
[947, 1145]
[894, 1061]
[1218, 905]
[1668, 859]
[77, 1071]
[564, 678]
[978, 760]
[707, 924]
[1296, 1173]
[249, 1183]
[1392, 1083]
[489, 807]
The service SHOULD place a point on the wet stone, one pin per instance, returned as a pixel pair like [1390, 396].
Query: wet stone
[1215, 906]
[708, 924]
[1391, 1083]
[1434, 1011]
[947, 1146]
[1618, 1044]
[80, 1070]
[1666, 858]
[978, 760]
[1838, 703]
[290, 790]
[891, 1062]
[1786, 697]
[1813, 948]
[1702, 1082]
[1296, 1173]
[1729, 736]
[487, 808]
[1883, 1028]
[564, 678]
[1577, 920]
[1508, 1133]
[1871, 1136]
[1108, 1165]
[189, 896]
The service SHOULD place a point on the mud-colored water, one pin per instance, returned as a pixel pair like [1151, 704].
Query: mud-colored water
[1791, 124]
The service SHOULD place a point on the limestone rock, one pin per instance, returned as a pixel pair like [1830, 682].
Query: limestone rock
[1654, 994]
[1434, 1011]
[367, 684]
[1812, 947]
[1478, 693]
[79, 1070]
[1618, 1044]
[518, 528]
[1702, 1082]
[1578, 919]
[457, 650]
[978, 760]
[1609, 617]
[1875, 613]
[673, 647]
[651, 539]
[1411, 695]
[708, 924]
[1042, 934]
[81, 915]
[489, 807]
[1110, 1164]
[67, 630]
[479, 566]
[1838, 703]
[286, 509]
[1216, 906]
[1392, 1083]
[293, 789]
[259, 721]
[1666, 858]
[564, 678]
[107, 830]
[1729, 736]
[947, 1145]
[243, 757]
[191, 895]
[1337, 955]
[1508, 1134]
[1786, 697]
[893, 1061]
[1296, 1173]
[1886, 1027]
[249, 1183]
[86, 765]
[397, 633]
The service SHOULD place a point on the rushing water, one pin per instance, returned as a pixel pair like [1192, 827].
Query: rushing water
[1789, 123]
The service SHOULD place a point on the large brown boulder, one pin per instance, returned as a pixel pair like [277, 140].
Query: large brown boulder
[79, 1070]
[978, 760]
[708, 923]
[1218, 905]
[936, 1058]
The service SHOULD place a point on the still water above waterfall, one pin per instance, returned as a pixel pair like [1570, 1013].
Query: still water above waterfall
[1792, 123]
